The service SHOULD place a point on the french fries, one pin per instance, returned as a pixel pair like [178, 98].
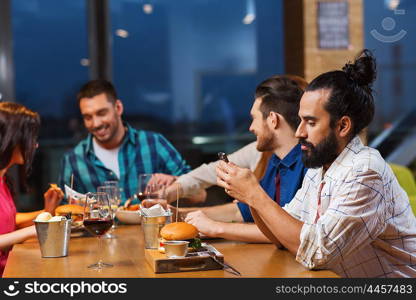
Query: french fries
[55, 187]
[133, 207]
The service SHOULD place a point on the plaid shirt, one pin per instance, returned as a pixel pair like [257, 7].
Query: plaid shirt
[140, 152]
[357, 219]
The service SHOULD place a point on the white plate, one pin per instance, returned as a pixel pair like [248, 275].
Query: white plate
[128, 216]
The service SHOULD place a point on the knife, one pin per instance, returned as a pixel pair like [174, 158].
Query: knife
[227, 267]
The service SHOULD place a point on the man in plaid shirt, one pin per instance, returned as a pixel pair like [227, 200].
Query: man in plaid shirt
[114, 150]
[350, 215]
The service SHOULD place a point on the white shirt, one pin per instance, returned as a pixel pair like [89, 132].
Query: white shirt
[365, 226]
[205, 175]
[108, 157]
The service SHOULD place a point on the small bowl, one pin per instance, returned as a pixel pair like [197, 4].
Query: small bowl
[129, 216]
[176, 249]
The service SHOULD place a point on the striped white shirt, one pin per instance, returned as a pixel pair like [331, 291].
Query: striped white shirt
[363, 225]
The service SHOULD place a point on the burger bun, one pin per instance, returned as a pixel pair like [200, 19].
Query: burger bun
[69, 208]
[76, 211]
[178, 231]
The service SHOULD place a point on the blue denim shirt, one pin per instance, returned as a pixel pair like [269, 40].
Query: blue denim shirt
[291, 171]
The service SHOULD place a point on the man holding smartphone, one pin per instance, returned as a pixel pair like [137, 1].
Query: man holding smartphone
[274, 121]
[351, 215]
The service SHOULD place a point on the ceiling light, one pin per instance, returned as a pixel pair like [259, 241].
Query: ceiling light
[122, 33]
[147, 8]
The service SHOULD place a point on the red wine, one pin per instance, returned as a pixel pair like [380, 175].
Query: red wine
[98, 226]
[142, 196]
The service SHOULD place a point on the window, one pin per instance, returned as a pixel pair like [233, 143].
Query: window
[191, 66]
[50, 48]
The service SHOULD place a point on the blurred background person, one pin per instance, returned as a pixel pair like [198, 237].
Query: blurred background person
[19, 129]
[113, 150]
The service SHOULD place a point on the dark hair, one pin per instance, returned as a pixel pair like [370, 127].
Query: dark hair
[19, 126]
[301, 82]
[96, 87]
[281, 94]
[350, 91]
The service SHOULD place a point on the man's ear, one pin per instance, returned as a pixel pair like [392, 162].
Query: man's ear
[119, 107]
[273, 120]
[344, 126]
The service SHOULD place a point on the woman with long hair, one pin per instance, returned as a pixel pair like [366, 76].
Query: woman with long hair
[19, 128]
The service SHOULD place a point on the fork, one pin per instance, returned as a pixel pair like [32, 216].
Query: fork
[227, 267]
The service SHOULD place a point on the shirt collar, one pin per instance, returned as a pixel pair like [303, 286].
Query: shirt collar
[291, 158]
[129, 137]
[352, 148]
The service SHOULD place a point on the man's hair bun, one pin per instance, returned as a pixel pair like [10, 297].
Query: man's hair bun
[363, 70]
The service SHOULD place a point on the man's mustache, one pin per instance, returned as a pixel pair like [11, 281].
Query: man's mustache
[98, 128]
[304, 142]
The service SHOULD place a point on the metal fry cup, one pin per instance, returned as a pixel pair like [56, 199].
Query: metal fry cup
[53, 237]
[151, 227]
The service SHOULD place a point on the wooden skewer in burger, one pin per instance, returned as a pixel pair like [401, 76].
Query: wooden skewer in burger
[180, 231]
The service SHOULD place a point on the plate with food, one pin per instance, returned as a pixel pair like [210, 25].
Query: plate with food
[76, 213]
[129, 214]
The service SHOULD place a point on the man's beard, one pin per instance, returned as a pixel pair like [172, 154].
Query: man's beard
[322, 154]
[265, 142]
[113, 128]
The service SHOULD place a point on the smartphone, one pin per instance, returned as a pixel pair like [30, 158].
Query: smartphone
[223, 156]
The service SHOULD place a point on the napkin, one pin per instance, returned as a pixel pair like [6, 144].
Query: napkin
[70, 193]
[154, 211]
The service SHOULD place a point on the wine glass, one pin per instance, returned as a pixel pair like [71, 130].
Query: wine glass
[112, 199]
[149, 190]
[98, 219]
[117, 194]
[143, 190]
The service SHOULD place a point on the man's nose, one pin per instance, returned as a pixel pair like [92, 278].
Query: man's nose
[300, 132]
[251, 128]
[96, 122]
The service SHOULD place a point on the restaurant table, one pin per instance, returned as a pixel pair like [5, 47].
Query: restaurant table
[126, 253]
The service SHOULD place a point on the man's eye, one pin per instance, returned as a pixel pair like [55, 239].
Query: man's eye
[87, 118]
[310, 123]
[102, 113]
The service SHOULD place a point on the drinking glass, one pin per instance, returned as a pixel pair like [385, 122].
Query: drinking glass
[143, 180]
[147, 189]
[117, 194]
[112, 199]
[98, 219]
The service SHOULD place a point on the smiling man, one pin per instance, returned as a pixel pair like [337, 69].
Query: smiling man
[114, 150]
[350, 215]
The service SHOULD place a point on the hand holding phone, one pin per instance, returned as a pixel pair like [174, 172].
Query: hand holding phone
[223, 156]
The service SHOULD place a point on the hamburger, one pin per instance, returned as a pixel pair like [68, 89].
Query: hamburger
[180, 231]
[76, 212]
